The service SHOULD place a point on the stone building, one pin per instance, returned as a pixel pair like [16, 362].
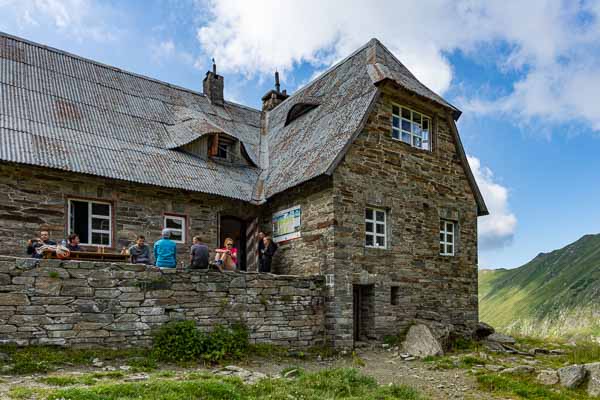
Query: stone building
[360, 175]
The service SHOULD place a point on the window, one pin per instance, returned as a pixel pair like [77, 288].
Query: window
[375, 228]
[222, 147]
[299, 110]
[411, 127]
[447, 236]
[395, 293]
[176, 223]
[329, 280]
[91, 220]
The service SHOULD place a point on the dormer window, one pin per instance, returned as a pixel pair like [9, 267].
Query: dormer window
[222, 147]
[411, 127]
[299, 110]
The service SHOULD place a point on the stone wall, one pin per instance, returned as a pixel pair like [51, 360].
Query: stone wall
[119, 305]
[417, 188]
[312, 253]
[33, 197]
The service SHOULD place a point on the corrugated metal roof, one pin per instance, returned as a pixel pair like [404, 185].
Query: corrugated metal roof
[62, 111]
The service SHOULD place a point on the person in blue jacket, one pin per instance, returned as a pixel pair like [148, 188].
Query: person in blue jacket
[165, 251]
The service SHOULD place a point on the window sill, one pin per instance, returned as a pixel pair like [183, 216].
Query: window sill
[371, 248]
[412, 147]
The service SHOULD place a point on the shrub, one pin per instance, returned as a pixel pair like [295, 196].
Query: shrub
[182, 341]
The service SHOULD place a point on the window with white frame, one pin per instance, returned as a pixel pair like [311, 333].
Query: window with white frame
[375, 228]
[447, 237]
[411, 127]
[176, 224]
[92, 221]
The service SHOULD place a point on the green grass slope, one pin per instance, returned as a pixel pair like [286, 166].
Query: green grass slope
[555, 294]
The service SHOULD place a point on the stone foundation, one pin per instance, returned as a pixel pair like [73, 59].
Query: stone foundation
[90, 304]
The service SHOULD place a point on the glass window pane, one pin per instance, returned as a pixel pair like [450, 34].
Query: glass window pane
[380, 241]
[450, 227]
[417, 118]
[100, 238]
[395, 110]
[101, 224]
[100, 209]
[442, 236]
[425, 124]
[177, 236]
[405, 137]
[395, 134]
[173, 223]
[396, 122]
[369, 213]
[369, 240]
[406, 125]
[405, 113]
[79, 220]
[442, 248]
[380, 228]
[416, 130]
[417, 142]
[449, 249]
[380, 216]
[369, 227]
[425, 145]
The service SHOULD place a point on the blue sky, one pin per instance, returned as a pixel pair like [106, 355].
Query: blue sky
[527, 77]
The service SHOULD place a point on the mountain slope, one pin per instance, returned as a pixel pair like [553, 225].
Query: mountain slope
[555, 294]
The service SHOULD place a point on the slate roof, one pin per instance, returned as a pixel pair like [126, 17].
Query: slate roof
[63, 111]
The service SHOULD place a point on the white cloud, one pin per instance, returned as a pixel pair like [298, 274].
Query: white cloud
[79, 19]
[166, 50]
[497, 229]
[554, 45]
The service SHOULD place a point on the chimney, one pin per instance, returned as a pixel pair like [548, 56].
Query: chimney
[274, 97]
[212, 86]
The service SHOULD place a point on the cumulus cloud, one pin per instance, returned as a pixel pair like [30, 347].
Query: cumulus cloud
[554, 45]
[166, 50]
[497, 229]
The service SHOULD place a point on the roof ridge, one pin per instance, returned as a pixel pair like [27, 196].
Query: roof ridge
[328, 71]
[117, 69]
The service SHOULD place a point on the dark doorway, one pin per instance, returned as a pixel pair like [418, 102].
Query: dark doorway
[364, 312]
[234, 228]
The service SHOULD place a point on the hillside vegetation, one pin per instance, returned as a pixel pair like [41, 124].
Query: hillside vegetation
[555, 294]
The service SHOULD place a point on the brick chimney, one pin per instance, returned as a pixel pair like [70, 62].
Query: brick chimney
[274, 97]
[212, 86]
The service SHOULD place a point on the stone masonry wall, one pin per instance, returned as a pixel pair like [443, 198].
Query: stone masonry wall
[90, 304]
[416, 188]
[32, 197]
[312, 253]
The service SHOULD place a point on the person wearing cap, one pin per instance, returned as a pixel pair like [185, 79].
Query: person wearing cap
[165, 251]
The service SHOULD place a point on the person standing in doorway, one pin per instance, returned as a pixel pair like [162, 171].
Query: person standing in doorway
[268, 251]
[165, 251]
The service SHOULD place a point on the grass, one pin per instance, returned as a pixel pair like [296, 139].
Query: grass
[525, 388]
[328, 384]
[584, 353]
[40, 359]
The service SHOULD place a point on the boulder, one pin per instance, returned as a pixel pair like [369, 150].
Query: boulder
[500, 338]
[593, 371]
[572, 376]
[421, 343]
[548, 377]
[483, 330]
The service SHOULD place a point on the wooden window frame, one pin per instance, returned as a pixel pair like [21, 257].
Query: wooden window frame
[399, 131]
[110, 218]
[375, 223]
[184, 230]
[448, 237]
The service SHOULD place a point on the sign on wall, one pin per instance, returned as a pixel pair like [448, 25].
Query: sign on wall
[286, 224]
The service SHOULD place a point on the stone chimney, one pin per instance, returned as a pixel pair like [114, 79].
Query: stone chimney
[212, 86]
[274, 97]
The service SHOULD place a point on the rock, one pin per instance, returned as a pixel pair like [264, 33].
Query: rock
[291, 373]
[4, 357]
[249, 377]
[593, 371]
[109, 368]
[420, 342]
[500, 338]
[548, 377]
[536, 350]
[493, 346]
[124, 367]
[137, 378]
[96, 362]
[572, 376]
[483, 330]
[494, 368]
[518, 370]
[557, 352]
[409, 359]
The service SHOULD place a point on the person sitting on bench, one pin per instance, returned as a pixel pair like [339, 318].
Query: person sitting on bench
[42, 240]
